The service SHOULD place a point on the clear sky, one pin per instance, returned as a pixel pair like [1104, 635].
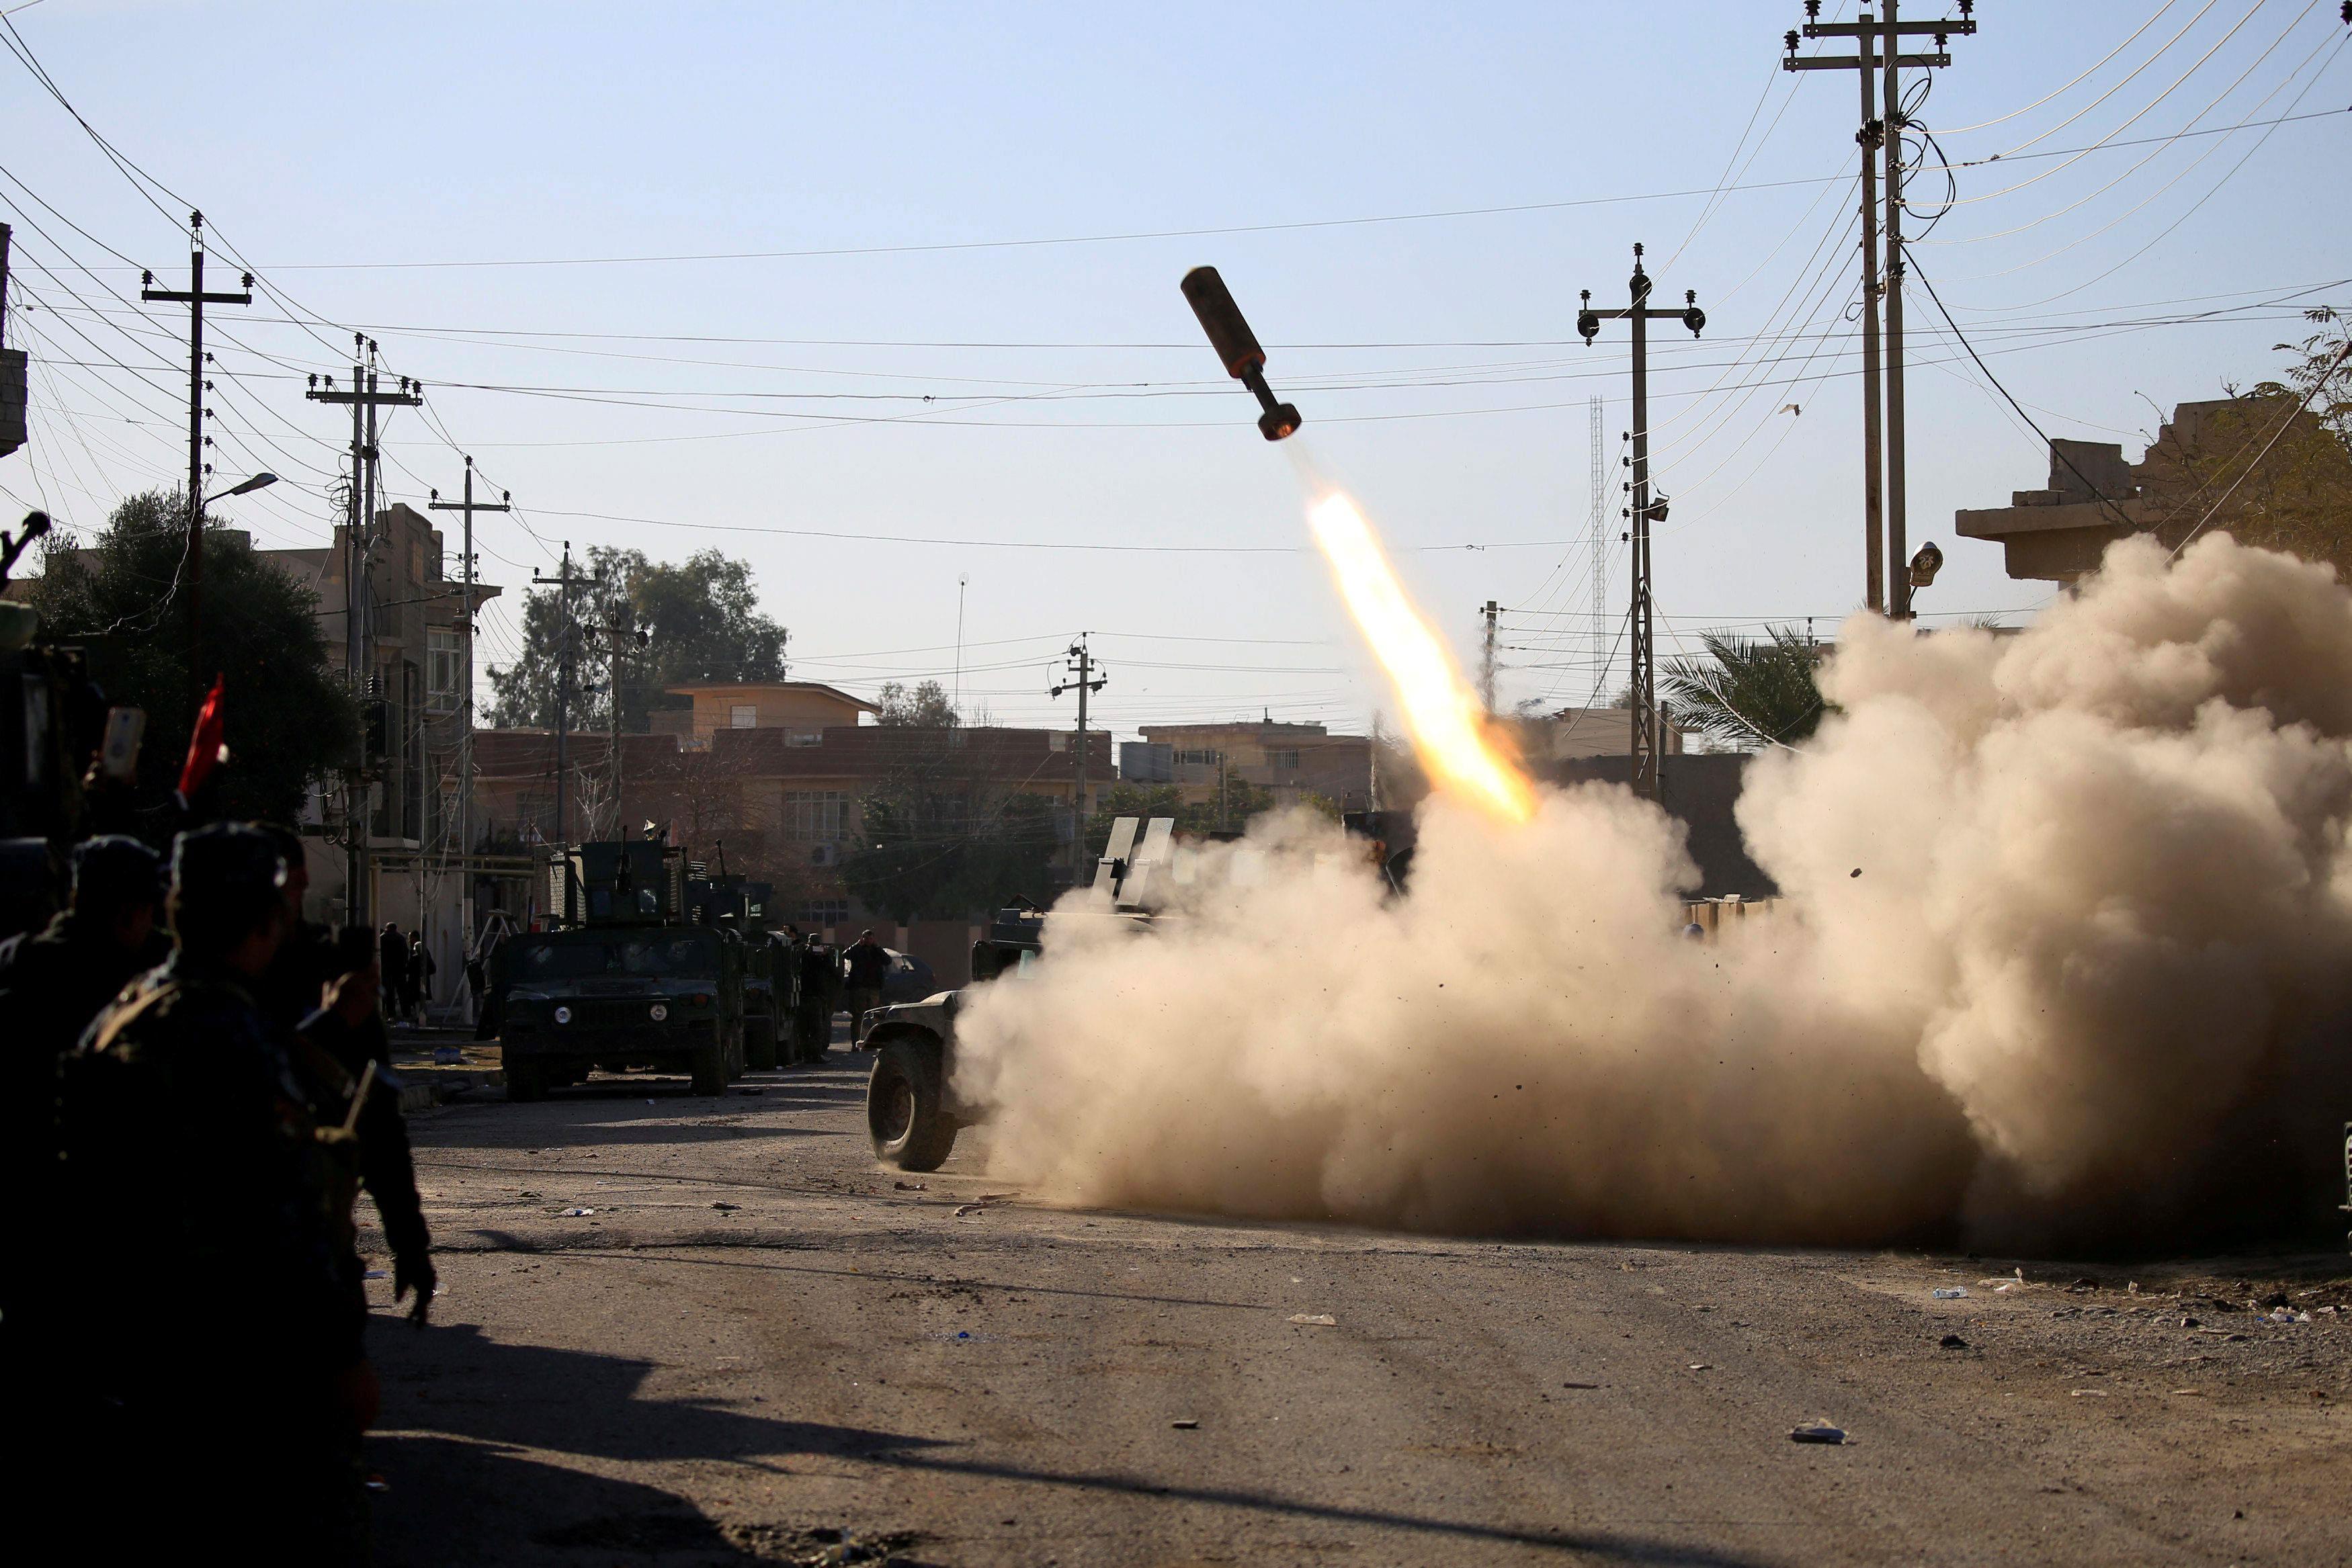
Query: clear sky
[917, 367]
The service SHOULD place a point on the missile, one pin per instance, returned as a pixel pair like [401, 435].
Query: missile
[1237, 346]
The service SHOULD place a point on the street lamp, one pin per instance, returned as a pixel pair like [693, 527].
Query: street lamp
[259, 482]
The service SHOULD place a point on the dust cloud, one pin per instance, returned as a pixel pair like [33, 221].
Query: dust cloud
[2086, 990]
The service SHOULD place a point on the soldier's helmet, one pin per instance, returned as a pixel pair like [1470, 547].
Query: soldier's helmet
[115, 872]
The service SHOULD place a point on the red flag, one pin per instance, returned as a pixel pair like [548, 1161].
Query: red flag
[206, 748]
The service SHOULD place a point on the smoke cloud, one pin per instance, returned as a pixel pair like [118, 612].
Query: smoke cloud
[2086, 990]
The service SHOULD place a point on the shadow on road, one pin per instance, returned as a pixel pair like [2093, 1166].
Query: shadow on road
[464, 1414]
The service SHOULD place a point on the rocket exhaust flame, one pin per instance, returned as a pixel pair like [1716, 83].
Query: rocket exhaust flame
[1448, 726]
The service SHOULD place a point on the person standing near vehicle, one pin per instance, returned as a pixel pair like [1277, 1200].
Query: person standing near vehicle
[864, 968]
[420, 971]
[240, 1407]
[392, 954]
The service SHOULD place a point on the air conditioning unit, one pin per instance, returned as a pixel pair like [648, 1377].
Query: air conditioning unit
[825, 854]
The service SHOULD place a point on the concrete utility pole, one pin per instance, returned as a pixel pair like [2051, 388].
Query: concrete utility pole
[1486, 659]
[358, 659]
[1879, 46]
[505, 503]
[1644, 739]
[564, 582]
[195, 298]
[1088, 682]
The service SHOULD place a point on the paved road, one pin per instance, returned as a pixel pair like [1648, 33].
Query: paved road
[759, 1338]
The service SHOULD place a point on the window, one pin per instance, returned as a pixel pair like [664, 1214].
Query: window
[444, 668]
[816, 816]
[826, 912]
[1197, 757]
[743, 715]
[1286, 760]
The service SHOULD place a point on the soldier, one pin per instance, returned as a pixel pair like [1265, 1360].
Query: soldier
[820, 978]
[52, 983]
[296, 993]
[240, 1405]
[865, 966]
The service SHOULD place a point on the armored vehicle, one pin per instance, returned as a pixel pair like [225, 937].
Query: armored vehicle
[626, 979]
[911, 1113]
[737, 907]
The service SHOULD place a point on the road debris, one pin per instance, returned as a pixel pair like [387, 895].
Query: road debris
[1319, 1319]
[908, 1187]
[1950, 1292]
[2088, 1393]
[1702, 1366]
[1579, 1385]
[1186, 1423]
[578, 1213]
[964, 1208]
[727, 1207]
[1952, 1342]
[1817, 1431]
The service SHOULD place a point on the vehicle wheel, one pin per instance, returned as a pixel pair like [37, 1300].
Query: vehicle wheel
[526, 1081]
[760, 1044]
[708, 1064]
[905, 1112]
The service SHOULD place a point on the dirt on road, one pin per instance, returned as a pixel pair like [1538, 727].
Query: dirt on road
[689, 1331]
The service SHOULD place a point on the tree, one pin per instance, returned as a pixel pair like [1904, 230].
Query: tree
[702, 621]
[1748, 693]
[945, 851]
[925, 708]
[121, 597]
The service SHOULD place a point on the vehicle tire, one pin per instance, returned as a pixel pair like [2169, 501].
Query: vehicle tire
[707, 1065]
[526, 1081]
[906, 1111]
[759, 1043]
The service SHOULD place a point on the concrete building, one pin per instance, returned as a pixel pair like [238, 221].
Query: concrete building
[2093, 498]
[1577, 732]
[411, 623]
[781, 801]
[804, 709]
[1293, 760]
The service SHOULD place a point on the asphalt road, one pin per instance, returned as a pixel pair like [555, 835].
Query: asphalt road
[761, 1347]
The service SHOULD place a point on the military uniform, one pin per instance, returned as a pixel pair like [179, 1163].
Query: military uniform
[306, 963]
[220, 1312]
[53, 982]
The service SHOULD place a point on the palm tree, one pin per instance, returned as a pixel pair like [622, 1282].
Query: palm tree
[1749, 692]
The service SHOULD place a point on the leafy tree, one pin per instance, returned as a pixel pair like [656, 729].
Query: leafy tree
[945, 846]
[926, 706]
[1747, 692]
[702, 624]
[121, 597]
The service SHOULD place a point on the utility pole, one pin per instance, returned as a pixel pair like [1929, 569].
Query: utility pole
[505, 503]
[358, 660]
[1486, 659]
[1644, 744]
[1088, 682]
[194, 297]
[1879, 51]
[564, 582]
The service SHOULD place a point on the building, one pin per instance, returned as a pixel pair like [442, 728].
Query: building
[2193, 469]
[804, 709]
[1292, 761]
[780, 801]
[1577, 732]
[411, 638]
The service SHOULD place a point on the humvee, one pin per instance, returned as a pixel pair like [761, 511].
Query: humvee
[624, 979]
[911, 1113]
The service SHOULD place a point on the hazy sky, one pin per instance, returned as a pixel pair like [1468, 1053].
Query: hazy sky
[969, 341]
